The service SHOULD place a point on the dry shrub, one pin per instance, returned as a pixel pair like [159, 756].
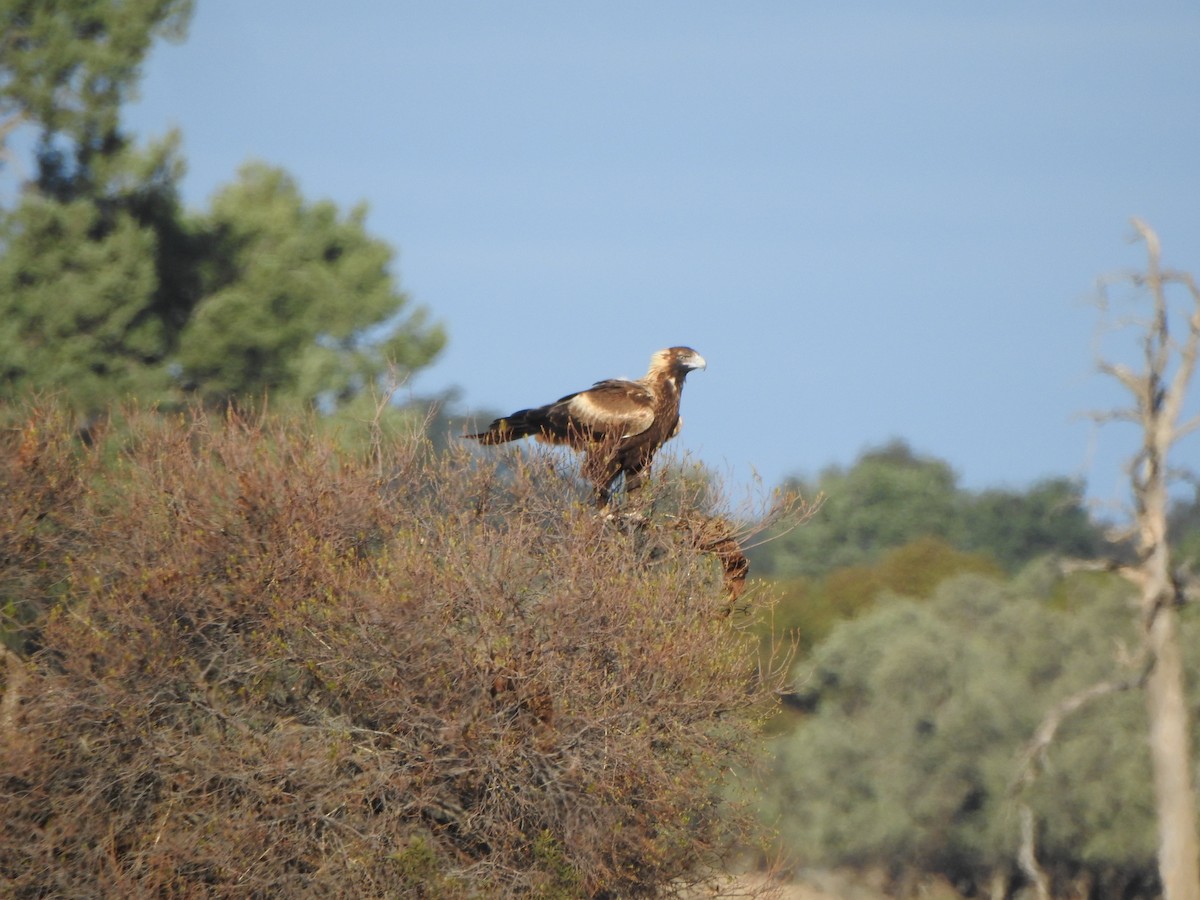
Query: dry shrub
[261, 670]
[43, 479]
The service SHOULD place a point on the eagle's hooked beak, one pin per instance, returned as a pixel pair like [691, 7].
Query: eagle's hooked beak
[695, 361]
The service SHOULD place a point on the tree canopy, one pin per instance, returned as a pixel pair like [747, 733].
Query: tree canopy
[892, 496]
[92, 290]
[921, 711]
[296, 299]
[110, 289]
[67, 66]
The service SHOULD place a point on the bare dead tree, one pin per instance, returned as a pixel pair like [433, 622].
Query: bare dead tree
[1158, 388]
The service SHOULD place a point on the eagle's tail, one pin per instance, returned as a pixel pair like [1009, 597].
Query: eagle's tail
[523, 423]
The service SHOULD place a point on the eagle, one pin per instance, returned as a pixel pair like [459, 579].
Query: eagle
[617, 424]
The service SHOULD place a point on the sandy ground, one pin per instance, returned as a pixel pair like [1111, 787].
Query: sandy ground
[823, 885]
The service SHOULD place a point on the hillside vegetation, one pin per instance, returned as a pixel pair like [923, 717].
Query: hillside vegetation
[929, 654]
[243, 662]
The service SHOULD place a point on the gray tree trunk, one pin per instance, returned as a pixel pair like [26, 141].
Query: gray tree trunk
[1158, 391]
[1159, 394]
[1170, 750]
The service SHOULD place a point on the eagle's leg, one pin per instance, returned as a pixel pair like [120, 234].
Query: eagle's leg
[634, 478]
[604, 489]
[602, 471]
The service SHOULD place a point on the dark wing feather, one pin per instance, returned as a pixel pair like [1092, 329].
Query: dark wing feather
[609, 409]
[613, 408]
[513, 427]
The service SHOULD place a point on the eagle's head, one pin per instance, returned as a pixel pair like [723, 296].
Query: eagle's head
[676, 362]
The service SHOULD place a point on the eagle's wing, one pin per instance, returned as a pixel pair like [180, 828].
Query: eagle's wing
[614, 408]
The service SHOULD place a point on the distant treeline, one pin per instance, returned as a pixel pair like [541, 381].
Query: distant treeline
[934, 628]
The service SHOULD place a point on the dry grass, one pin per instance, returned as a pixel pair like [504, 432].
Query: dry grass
[248, 664]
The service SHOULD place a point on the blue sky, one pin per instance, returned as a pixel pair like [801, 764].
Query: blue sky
[874, 219]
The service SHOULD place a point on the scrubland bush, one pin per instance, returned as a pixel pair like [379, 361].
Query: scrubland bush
[809, 608]
[921, 716]
[244, 663]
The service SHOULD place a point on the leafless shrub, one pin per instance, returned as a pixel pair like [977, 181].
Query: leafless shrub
[263, 667]
[43, 478]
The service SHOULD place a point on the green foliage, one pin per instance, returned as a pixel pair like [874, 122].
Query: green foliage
[809, 608]
[562, 882]
[68, 65]
[1184, 532]
[888, 498]
[1015, 527]
[892, 496]
[921, 713]
[420, 872]
[93, 291]
[298, 301]
[109, 290]
[256, 664]
[122, 295]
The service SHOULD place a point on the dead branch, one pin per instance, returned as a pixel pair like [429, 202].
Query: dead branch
[15, 679]
[1027, 856]
[382, 402]
[1033, 759]
[1158, 399]
[1034, 755]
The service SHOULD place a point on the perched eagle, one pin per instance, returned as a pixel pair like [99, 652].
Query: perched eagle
[618, 424]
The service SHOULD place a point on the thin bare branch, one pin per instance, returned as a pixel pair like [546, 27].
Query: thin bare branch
[1101, 417]
[1034, 754]
[15, 678]
[1134, 382]
[1027, 855]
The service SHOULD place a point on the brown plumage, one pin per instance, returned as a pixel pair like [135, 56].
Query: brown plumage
[618, 424]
